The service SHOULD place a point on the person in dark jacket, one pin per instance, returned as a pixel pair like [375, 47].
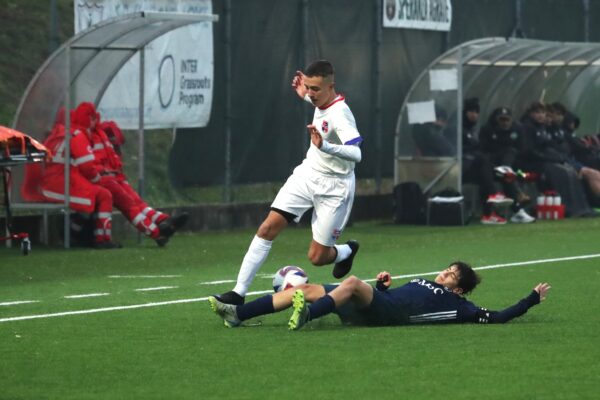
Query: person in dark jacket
[563, 127]
[477, 167]
[544, 155]
[503, 140]
[431, 138]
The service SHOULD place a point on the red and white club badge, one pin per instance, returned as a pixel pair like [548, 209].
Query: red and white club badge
[325, 127]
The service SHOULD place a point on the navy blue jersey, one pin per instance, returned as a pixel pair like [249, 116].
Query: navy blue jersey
[426, 301]
[421, 301]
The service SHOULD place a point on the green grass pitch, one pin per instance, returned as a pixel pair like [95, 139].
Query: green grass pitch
[163, 342]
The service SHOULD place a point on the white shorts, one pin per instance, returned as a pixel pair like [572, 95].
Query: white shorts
[331, 197]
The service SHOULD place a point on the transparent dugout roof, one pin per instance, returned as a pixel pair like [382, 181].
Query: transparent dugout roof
[95, 56]
[500, 73]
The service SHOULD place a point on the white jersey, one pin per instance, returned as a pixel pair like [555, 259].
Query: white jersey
[336, 125]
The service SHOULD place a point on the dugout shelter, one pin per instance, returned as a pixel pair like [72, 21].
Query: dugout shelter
[499, 72]
[82, 70]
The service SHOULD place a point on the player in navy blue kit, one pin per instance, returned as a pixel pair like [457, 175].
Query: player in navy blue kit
[356, 302]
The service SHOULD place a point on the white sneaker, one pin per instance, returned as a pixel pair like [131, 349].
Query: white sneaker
[521, 217]
[505, 173]
[226, 311]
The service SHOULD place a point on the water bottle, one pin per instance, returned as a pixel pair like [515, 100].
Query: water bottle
[549, 206]
[557, 205]
[541, 201]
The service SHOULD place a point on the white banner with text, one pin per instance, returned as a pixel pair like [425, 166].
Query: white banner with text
[417, 14]
[178, 77]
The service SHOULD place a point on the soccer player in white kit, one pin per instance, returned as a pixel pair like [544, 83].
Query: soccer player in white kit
[324, 180]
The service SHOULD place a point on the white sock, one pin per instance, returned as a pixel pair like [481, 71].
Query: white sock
[343, 252]
[255, 257]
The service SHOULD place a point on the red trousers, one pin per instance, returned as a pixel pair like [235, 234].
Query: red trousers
[144, 218]
[84, 197]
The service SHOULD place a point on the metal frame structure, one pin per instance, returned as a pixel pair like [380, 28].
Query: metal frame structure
[72, 71]
[496, 70]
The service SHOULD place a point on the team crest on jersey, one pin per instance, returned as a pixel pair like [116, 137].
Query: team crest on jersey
[336, 234]
[325, 127]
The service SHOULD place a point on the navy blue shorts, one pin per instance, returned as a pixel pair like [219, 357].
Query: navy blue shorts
[381, 312]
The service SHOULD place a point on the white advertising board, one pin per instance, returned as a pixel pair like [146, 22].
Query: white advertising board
[418, 14]
[178, 79]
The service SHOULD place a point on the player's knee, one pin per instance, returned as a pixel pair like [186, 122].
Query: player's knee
[307, 288]
[266, 231]
[318, 258]
[312, 292]
[351, 282]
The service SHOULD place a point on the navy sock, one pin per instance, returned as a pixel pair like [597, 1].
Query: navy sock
[323, 306]
[262, 305]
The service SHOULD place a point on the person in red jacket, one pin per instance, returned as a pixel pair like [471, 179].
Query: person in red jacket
[31, 189]
[85, 195]
[147, 220]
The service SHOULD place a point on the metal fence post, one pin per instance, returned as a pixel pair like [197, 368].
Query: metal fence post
[586, 20]
[304, 138]
[67, 218]
[141, 139]
[376, 84]
[518, 28]
[227, 193]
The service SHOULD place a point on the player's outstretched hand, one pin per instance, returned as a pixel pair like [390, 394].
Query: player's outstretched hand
[542, 289]
[315, 136]
[385, 278]
[298, 84]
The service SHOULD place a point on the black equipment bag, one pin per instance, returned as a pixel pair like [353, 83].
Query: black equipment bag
[409, 204]
[447, 208]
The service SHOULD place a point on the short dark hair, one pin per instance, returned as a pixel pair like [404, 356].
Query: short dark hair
[559, 108]
[440, 113]
[319, 68]
[471, 104]
[536, 106]
[571, 119]
[468, 279]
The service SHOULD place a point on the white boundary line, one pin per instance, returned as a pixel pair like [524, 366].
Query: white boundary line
[218, 282]
[97, 310]
[13, 303]
[262, 276]
[495, 266]
[143, 276]
[82, 296]
[150, 289]
[182, 301]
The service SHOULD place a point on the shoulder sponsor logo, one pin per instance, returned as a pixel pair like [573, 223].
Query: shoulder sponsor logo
[428, 285]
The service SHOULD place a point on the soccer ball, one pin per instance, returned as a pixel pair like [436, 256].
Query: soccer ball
[287, 277]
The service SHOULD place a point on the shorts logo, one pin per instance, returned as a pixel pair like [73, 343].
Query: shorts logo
[336, 234]
[325, 127]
